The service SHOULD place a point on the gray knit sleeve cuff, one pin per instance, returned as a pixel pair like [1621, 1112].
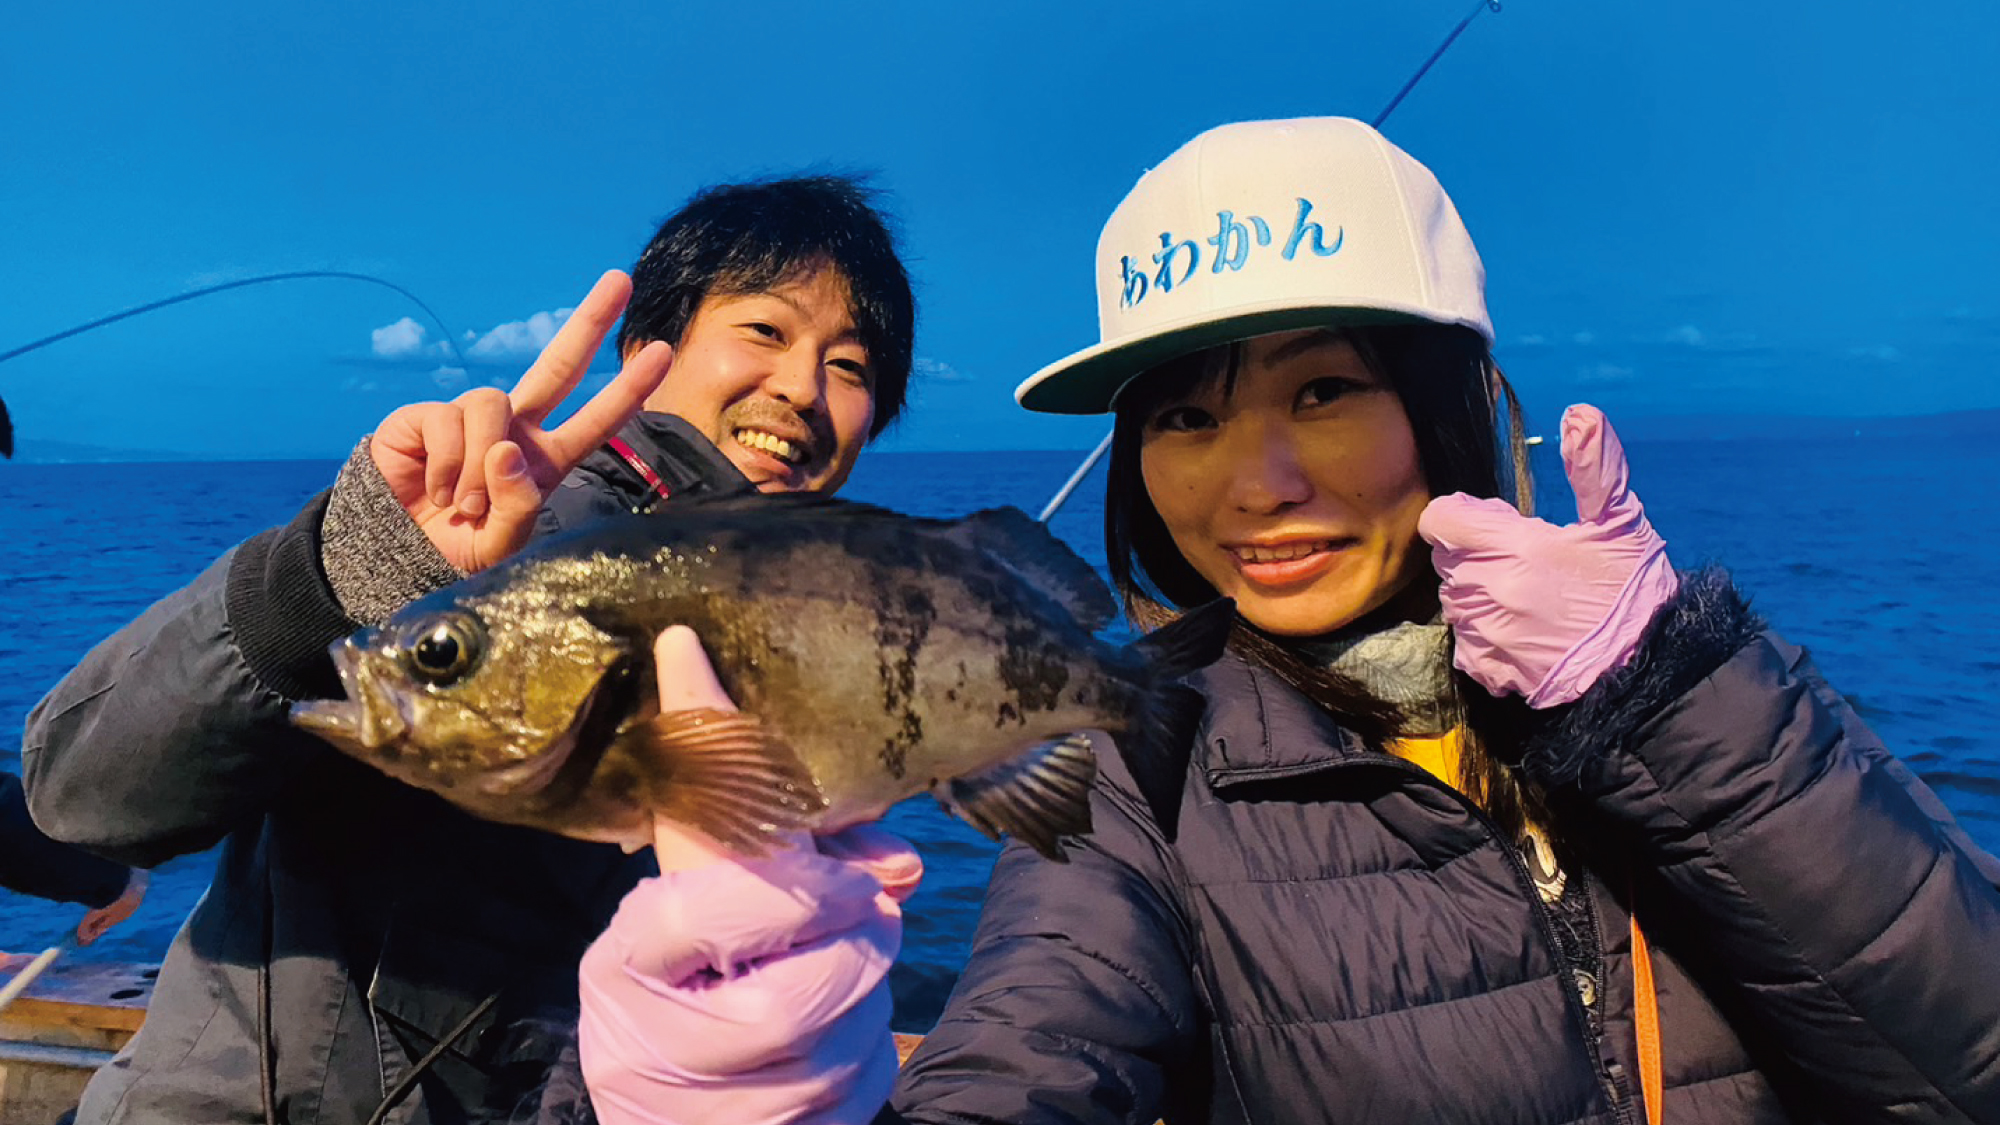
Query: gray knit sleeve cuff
[376, 557]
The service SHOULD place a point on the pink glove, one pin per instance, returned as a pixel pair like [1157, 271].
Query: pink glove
[1540, 610]
[746, 993]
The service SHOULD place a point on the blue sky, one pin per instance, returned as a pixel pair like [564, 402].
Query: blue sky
[1684, 208]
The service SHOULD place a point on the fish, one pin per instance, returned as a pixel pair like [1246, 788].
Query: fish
[873, 655]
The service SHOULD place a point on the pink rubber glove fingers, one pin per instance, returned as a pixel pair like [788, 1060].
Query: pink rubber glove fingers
[749, 993]
[1543, 611]
[879, 852]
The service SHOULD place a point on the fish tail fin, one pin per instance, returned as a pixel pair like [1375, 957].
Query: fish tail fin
[1038, 798]
[724, 774]
[1157, 744]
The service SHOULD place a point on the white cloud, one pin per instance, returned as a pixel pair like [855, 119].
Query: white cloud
[401, 340]
[1702, 339]
[449, 378]
[1604, 373]
[934, 371]
[1880, 353]
[512, 345]
[518, 340]
[1532, 340]
[1583, 339]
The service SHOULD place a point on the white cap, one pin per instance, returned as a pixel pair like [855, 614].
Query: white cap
[1267, 226]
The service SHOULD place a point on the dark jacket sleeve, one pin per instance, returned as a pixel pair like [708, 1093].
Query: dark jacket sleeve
[33, 864]
[174, 730]
[1857, 922]
[1076, 1004]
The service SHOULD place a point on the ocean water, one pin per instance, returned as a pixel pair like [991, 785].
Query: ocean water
[1879, 555]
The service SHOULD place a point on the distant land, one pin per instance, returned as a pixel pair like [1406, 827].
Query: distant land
[1794, 427]
[1657, 427]
[34, 452]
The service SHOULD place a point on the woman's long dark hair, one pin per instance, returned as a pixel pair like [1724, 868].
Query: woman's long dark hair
[1462, 414]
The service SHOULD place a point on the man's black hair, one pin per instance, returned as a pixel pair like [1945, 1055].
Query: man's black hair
[734, 239]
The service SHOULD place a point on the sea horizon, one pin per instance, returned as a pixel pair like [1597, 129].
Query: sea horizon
[1708, 426]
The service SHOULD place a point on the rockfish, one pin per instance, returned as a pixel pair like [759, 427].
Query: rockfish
[874, 656]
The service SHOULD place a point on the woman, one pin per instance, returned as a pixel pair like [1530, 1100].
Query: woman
[1487, 820]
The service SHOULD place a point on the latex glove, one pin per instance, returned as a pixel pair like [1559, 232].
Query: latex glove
[741, 994]
[745, 992]
[1543, 611]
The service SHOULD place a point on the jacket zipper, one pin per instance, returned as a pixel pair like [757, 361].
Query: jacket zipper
[1613, 1072]
[1609, 1074]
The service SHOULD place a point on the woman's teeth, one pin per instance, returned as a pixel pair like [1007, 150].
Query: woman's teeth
[775, 446]
[1283, 552]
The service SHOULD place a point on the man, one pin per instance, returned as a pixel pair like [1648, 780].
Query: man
[33, 864]
[367, 952]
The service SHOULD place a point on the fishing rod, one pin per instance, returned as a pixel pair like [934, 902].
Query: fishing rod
[6, 428]
[35, 968]
[1090, 462]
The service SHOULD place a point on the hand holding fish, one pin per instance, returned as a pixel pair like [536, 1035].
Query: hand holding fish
[731, 992]
[1542, 611]
[473, 472]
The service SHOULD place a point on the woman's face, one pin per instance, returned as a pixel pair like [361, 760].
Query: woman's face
[1297, 490]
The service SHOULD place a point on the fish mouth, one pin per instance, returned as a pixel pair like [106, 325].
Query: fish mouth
[366, 720]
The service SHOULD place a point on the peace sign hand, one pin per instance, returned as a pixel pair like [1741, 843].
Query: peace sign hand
[473, 473]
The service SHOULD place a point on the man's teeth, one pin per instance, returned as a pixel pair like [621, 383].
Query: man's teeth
[776, 446]
[1283, 552]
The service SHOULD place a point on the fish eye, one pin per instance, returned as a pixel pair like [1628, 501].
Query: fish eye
[442, 651]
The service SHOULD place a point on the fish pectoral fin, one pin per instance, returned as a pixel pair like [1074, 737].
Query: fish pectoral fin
[1038, 797]
[725, 774]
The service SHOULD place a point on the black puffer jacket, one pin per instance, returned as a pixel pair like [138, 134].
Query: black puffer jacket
[1329, 935]
[354, 924]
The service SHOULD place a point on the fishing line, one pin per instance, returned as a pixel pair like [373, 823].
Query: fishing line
[1090, 462]
[6, 429]
[149, 306]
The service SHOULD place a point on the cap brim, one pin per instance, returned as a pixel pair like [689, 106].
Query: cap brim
[1089, 381]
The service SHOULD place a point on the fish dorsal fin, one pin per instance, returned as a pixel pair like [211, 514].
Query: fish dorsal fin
[1038, 797]
[1015, 540]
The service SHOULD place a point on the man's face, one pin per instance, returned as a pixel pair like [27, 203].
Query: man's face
[779, 381]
